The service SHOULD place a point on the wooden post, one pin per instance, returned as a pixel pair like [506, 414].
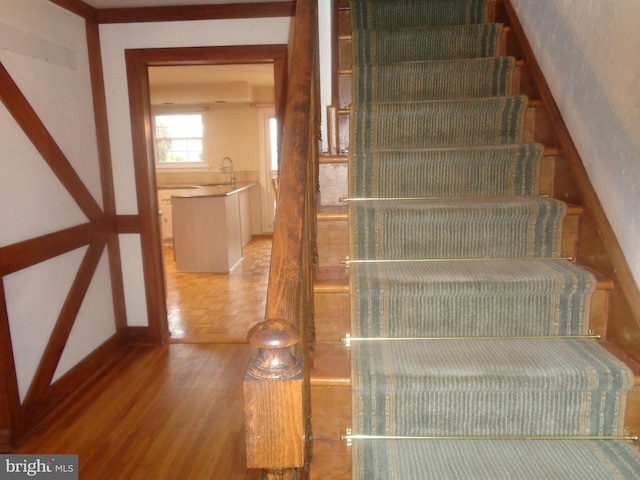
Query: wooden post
[333, 128]
[273, 402]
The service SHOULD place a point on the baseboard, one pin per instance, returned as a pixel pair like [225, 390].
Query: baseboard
[66, 390]
[142, 336]
[5, 441]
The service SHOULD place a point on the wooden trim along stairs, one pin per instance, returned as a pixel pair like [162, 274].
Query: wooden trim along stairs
[589, 239]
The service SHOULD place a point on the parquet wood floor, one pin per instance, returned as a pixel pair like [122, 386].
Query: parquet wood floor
[173, 411]
[218, 307]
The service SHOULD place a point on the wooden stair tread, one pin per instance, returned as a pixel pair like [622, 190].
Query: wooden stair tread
[332, 212]
[602, 282]
[575, 210]
[623, 357]
[330, 159]
[332, 279]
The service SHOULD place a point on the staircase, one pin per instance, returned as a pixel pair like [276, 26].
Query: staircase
[474, 346]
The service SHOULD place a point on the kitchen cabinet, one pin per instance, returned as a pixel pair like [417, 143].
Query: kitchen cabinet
[164, 204]
[209, 230]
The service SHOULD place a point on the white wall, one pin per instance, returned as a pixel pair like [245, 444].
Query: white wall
[43, 47]
[589, 52]
[115, 39]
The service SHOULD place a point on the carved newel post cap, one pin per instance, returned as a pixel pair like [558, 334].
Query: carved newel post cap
[274, 339]
[273, 334]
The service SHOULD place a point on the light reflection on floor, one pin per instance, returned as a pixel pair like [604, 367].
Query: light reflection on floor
[218, 307]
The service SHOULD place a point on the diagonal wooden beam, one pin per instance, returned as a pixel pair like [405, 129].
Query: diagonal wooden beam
[37, 132]
[30, 252]
[66, 319]
[10, 414]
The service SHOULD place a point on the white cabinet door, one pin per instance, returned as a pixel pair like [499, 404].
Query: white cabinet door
[166, 219]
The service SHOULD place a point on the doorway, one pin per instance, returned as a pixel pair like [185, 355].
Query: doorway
[138, 62]
[268, 135]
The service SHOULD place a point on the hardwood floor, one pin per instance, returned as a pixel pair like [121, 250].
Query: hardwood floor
[173, 411]
[218, 307]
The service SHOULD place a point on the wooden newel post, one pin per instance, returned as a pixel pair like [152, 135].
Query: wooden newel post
[273, 402]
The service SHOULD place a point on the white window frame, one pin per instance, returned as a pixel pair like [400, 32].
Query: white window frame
[191, 166]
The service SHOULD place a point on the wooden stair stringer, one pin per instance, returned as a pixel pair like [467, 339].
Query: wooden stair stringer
[331, 376]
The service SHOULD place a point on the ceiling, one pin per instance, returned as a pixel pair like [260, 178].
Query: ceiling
[256, 74]
[163, 3]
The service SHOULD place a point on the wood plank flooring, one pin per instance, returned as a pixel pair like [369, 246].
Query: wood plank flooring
[170, 412]
[173, 411]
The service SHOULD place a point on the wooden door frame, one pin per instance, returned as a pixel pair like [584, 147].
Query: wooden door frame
[148, 224]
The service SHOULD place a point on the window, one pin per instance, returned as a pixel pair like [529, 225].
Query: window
[178, 139]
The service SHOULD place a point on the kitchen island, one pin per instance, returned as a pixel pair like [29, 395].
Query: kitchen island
[211, 225]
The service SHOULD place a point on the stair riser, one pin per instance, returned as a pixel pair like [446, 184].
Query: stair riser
[632, 420]
[536, 128]
[522, 84]
[498, 414]
[431, 317]
[494, 459]
[456, 228]
[334, 180]
[488, 387]
[344, 17]
[345, 55]
[331, 405]
[499, 171]
[331, 459]
[334, 183]
[345, 86]
[472, 298]
[333, 240]
[332, 317]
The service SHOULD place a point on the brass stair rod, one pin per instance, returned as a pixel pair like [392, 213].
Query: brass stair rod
[346, 199]
[347, 339]
[349, 437]
[347, 261]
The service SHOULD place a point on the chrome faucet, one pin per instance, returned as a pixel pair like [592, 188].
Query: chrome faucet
[227, 167]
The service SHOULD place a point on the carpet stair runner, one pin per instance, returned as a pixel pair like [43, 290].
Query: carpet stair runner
[470, 347]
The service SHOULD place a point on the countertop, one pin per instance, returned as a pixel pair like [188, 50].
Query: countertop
[217, 190]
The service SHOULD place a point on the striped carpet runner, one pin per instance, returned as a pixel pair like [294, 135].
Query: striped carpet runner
[470, 348]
